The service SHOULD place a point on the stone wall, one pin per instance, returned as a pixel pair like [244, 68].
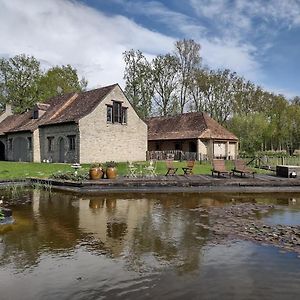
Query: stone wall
[18, 147]
[102, 141]
[60, 136]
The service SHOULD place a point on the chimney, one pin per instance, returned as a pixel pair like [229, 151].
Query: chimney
[6, 113]
[8, 110]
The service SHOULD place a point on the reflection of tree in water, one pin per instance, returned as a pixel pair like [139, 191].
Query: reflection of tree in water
[55, 229]
[116, 230]
[169, 234]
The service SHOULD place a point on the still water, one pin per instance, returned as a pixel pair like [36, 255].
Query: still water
[139, 246]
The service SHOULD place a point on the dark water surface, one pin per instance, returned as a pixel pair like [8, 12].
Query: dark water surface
[66, 246]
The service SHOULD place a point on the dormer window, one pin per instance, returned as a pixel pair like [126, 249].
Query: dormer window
[39, 110]
[35, 114]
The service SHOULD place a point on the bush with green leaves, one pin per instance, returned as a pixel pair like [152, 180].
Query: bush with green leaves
[83, 175]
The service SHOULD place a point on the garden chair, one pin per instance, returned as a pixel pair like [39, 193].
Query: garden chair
[131, 169]
[151, 168]
[188, 170]
[170, 166]
[241, 168]
[218, 166]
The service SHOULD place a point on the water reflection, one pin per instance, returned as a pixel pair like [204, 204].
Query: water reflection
[144, 232]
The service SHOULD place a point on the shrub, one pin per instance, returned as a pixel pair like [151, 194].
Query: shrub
[70, 176]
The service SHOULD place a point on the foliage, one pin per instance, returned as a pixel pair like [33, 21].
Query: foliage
[270, 153]
[23, 83]
[60, 80]
[187, 53]
[69, 175]
[110, 164]
[164, 69]
[139, 83]
[177, 83]
[19, 76]
[95, 165]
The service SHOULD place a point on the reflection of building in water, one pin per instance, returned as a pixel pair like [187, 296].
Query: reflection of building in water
[112, 220]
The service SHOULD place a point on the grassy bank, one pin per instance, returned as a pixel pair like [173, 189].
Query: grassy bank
[22, 170]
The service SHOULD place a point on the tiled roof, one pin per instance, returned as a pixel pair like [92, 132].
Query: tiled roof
[187, 126]
[61, 109]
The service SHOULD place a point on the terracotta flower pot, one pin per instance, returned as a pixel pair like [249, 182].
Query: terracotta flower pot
[96, 173]
[111, 172]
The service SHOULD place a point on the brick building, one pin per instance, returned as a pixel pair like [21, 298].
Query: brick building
[93, 126]
[192, 132]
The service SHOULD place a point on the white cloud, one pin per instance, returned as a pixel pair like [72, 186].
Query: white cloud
[224, 51]
[63, 32]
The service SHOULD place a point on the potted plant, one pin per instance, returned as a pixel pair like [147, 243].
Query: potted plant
[96, 171]
[111, 170]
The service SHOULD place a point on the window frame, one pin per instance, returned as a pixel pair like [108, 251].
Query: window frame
[72, 142]
[117, 112]
[50, 143]
[109, 107]
[29, 143]
[124, 114]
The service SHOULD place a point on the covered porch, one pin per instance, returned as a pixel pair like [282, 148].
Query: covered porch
[187, 149]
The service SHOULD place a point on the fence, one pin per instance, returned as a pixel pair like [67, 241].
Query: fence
[272, 162]
[175, 154]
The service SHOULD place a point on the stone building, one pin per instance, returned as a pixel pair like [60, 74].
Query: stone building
[192, 132]
[94, 126]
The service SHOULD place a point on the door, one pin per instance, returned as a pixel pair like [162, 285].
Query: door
[20, 151]
[2, 151]
[61, 147]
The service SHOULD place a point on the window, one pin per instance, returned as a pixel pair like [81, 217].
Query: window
[71, 142]
[29, 140]
[10, 143]
[117, 112]
[124, 115]
[109, 113]
[50, 143]
[35, 114]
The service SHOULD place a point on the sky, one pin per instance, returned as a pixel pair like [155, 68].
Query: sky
[258, 39]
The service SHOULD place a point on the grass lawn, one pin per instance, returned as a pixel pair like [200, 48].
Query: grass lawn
[22, 170]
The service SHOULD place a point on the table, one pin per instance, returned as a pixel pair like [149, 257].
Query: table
[288, 171]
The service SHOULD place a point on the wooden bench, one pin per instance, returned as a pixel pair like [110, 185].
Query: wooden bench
[219, 168]
[241, 168]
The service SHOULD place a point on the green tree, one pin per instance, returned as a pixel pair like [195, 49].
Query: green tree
[60, 80]
[164, 70]
[188, 57]
[19, 78]
[251, 130]
[139, 87]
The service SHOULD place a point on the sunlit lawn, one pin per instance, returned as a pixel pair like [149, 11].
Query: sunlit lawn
[22, 170]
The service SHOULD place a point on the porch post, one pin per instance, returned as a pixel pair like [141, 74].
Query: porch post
[198, 156]
[227, 150]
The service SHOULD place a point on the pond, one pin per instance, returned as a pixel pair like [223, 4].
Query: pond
[141, 246]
